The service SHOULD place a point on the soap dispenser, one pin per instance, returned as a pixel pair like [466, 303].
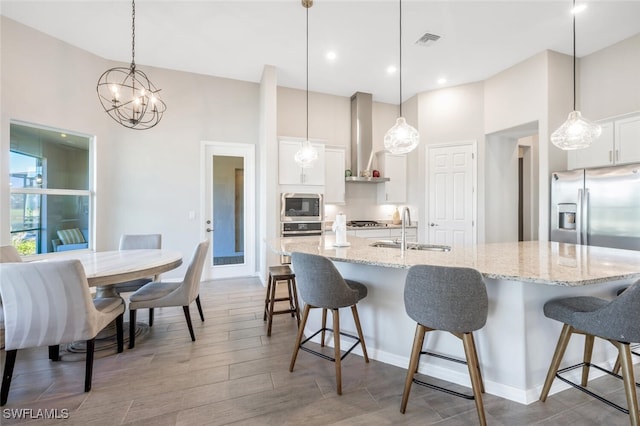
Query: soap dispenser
[396, 217]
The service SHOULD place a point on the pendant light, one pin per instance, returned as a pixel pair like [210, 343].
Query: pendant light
[307, 154]
[401, 138]
[577, 132]
[127, 94]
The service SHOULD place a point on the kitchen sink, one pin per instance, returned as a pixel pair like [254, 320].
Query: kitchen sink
[410, 246]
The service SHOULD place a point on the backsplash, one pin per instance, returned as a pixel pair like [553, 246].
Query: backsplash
[361, 204]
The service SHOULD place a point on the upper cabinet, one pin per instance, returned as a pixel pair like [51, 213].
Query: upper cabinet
[334, 175]
[394, 167]
[289, 173]
[619, 143]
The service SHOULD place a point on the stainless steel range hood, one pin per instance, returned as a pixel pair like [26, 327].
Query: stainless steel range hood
[362, 139]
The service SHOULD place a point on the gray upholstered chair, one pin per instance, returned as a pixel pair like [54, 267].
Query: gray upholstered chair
[617, 321]
[447, 299]
[49, 303]
[160, 294]
[138, 242]
[8, 254]
[321, 286]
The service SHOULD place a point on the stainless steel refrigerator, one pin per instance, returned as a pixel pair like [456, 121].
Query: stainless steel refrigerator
[598, 207]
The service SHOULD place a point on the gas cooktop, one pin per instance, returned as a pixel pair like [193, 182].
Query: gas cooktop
[364, 224]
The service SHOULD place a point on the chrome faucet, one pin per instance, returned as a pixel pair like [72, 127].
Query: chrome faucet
[405, 223]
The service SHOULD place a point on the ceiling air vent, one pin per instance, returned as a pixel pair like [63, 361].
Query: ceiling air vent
[427, 39]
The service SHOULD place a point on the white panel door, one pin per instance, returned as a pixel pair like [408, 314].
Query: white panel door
[451, 199]
[229, 209]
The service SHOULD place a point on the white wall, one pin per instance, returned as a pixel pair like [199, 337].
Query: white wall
[447, 115]
[147, 181]
[609, 80]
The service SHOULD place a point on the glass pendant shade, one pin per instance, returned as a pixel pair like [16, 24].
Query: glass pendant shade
[401, 138]
[306, 155]
[576, 133]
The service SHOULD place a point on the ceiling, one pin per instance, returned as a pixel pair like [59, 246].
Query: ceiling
[235, 39]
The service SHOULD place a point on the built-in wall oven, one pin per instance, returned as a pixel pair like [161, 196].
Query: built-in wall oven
[301, 215]
[297, 207]
[298, 229]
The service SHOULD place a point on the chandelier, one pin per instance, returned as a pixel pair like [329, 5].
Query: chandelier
[127, 94]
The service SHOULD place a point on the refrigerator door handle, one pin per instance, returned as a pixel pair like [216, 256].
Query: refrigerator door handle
[579, 218]
[585, 217]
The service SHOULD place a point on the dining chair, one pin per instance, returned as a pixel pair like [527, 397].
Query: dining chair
[138, 242]
[49, 303]
[160, 294]
[8, 254]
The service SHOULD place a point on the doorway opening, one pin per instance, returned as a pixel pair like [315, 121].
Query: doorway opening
[511, 202]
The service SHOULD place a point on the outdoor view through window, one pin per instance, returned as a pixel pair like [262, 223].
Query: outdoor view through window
[50, 193]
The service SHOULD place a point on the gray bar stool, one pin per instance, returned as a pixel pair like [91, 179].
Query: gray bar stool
[446, 299]
[322, 286]
[617, 321]
[276, 274]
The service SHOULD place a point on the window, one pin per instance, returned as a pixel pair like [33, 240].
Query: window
[50, 189]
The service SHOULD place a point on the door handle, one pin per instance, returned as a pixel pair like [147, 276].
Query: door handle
[209, 229]
[433, 224]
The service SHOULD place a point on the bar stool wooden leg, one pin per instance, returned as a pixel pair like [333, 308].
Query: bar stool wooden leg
[565, 335]
[472, 364]
[629, 381]
[418, 340]
[296, 348]
[356, 319]
[324, 325]
[272, 300]
[588, 351]
[267, 297]
[336, 345]
[475, 355]
[295, 298]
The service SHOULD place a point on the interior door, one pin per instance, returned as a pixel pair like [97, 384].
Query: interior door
[229, 209]
[451, 198]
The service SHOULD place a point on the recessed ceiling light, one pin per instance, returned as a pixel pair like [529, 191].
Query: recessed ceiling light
[331, 55]
[391, 69]
[579, 8]
[63, 135]
[442, 80]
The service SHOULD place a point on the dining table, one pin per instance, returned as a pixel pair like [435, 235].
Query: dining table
[106, 268]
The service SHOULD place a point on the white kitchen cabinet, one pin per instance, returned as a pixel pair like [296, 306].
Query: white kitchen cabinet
[618, 144]
[334, 188]
[627, 140]
[289, 173]
[394, 167]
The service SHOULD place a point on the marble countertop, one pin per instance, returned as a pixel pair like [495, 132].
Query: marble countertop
[541, 262]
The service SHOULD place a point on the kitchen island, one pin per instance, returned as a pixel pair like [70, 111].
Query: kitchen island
[516, 345]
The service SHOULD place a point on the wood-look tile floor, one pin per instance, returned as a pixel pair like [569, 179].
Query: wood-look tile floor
[234, 374]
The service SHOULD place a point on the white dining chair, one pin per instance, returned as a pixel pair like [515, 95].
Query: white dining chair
[138, 242]
[49, 303]
[167, 293]
[8, 254]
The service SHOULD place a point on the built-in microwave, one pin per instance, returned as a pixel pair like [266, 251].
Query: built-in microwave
[296, 207]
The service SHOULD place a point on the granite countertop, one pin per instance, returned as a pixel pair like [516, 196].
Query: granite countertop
[541, 262]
